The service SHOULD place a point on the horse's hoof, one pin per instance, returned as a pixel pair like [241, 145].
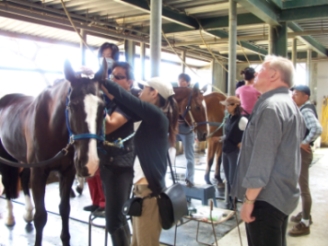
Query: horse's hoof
[72, 194]
[29, 227]
[207, 179]
[79, 190]
[10, 222]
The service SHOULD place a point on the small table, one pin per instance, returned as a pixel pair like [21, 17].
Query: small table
[209, 215]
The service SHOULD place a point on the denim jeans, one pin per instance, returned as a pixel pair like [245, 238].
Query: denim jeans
[117, 182]
[229, 166]
[269, 227]
[188, 148]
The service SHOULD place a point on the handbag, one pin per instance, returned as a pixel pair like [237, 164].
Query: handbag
[133, 206]
[172, 203]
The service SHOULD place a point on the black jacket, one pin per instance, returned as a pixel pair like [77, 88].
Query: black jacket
[233, 134]
[150, 140]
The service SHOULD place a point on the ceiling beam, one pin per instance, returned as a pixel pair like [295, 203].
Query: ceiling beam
[223, 21]
[302, 3]
[297, 14]
[308, 39]
[188, 22]
[167, 13]
[278, 3]
[262, 9]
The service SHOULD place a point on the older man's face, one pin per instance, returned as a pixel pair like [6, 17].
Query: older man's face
[263, 78]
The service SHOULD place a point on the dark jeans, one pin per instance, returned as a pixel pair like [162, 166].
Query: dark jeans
[269, 227]
[117, 182]
[304, 183]
[229, 166]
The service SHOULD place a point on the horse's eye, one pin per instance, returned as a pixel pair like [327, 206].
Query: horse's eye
[197, 108]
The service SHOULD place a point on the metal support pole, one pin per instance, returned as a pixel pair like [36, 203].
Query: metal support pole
[308, 67]
[184, 61]
[82, 46]
[142, 59]
[232, 46]
[278, 40]
[294, 52]
[129, 52]
[155, 36]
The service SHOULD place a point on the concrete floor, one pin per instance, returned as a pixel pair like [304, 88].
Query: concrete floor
[22, 234]
[319, 192]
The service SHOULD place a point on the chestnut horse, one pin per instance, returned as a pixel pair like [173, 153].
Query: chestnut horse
[215, 114]
[191, 109]
[35, 129]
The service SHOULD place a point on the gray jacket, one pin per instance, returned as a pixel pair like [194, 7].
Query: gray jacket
[270, 156]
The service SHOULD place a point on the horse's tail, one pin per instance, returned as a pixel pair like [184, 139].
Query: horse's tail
[10, 175]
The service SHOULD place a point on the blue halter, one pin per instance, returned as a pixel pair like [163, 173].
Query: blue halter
[73, 137]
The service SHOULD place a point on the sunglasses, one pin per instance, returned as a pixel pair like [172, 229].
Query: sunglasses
[231, 104]
[112, 76]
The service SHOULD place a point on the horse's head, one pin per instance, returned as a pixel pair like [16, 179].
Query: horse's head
[85, 114]
[191, 109]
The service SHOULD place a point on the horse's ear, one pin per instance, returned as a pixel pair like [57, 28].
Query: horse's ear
[204, 88]
[102, 74]
[196, 86]
[69, 72]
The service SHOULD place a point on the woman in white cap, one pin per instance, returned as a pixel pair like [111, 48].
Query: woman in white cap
[233, 132]
[158, 112]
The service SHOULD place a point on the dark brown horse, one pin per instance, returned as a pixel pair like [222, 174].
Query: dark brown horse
[34, 129]
[215, 114]
[191, 108]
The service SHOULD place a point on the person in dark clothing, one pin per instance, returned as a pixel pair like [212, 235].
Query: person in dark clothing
[158, 111]
[110, 53]
[116, 164]
[233, 133]
[186, 136]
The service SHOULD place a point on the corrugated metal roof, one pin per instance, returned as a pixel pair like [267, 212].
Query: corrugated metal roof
[115, 20]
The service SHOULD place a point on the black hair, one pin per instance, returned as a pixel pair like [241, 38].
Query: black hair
[185, 77]
[128, 69]
[113, 47]
[249, 73]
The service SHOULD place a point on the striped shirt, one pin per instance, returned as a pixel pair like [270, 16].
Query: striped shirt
[311, 123]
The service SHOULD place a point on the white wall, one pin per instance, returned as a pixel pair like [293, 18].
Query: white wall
[320, 77]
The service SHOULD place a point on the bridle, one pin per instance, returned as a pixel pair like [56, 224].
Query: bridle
[194, 124]
[73, 137]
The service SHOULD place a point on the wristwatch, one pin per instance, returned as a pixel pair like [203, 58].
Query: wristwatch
[247, 201]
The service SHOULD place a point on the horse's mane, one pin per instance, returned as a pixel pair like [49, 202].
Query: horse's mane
[219, 96]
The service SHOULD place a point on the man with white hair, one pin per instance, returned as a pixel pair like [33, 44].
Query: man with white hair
[269, 161]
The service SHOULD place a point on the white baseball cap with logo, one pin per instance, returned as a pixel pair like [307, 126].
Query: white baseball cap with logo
[165, 89]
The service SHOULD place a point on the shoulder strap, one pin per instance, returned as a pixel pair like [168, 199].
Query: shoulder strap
[170, 165]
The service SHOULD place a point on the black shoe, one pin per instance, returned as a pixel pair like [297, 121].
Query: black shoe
[91, 208]
[189, 183]
[100, 212]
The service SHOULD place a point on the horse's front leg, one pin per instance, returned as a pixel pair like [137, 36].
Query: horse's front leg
[25, 181]
[66, 182]
[210, 158]
[39, 178]
[218, 165]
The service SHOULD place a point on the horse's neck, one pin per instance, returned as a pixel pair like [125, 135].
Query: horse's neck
[54, 101]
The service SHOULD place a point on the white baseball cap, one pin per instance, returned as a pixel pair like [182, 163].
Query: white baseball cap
[164, 88]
